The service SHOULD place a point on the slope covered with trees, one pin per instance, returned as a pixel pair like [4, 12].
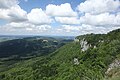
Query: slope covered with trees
[30, 46]
[97, 61]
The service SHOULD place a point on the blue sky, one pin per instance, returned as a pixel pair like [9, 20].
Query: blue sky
[30, 4]
[58, 17]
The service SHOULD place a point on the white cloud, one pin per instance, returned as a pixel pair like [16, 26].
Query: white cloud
[14, 13]
[24, 28]
[69, 28]
[67, 20]
[87, 29]
[17, 14]
[99, 6]
[80, 30]
[44, 27]
[63, 10]
[83, 29]
[104, 19]
[99, 16]
[4, 4]
[38, 16]
[28, 26]
[29, 29]
[20, 25]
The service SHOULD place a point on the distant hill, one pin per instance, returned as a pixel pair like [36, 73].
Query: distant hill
[89, 57]
[30, 46]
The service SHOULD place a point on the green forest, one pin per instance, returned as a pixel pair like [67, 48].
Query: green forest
[88, 57]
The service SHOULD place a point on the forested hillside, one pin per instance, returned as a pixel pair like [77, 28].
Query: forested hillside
[31, 46]
[89, 57]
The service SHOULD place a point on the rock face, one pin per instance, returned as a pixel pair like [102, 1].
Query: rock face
[84, 45]
[115, 64]
[76, 62]
[94, 47]
[76, 40]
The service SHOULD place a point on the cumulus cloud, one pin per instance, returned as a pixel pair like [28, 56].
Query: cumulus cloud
[14, 13]
[83, 29]
[104, 19]
[20, 25]
[63, 10]
[87, 29]
[24, 27]
[28, 26]
[17, 14]
[63, 13]
[69, 28]
[38, 16]
[98, 16]
[99, 6]
[67, 20]
[19, 21]
[4, 4]
[44, 27]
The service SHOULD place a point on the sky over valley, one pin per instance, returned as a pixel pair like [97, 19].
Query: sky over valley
[58, 17]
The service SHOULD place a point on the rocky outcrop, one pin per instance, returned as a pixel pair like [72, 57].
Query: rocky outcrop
[76, 40]
[84, 45]
[115, 64]
[94, 47]
[76, 62]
